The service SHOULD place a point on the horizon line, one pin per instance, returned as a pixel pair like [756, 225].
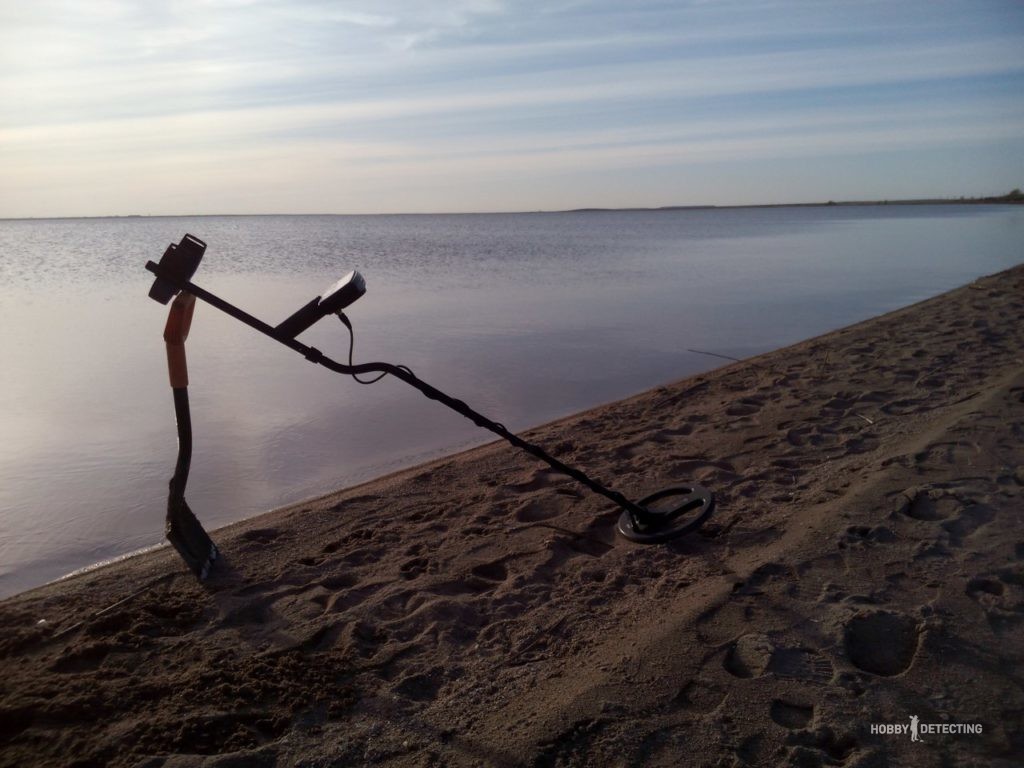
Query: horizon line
[1007, 198]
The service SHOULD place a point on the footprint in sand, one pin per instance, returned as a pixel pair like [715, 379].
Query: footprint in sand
[791, 715]
[801, 664]
[746, 406]
[857, 445]
[904, 406]
[420, 687]
[769, 577]
[702, 470]
[840, 404]
[699, 695]
[967, 523]
[82, 657]
[562, 549]
[720, 623]
[933, 381]
[882, 642]
[536, 511]
[749, 656]
[339, 581]
[250, 612]
[1001, 595]
[820, 437]
[341, 599]
[929, 505]
[470, 584]
[754, 750]
[984, 589]
[837, 748]
[542, 478]
[960, 454]
[410, 569]
[653, 444]
[495, 571]
[261, 536]
[863, 536]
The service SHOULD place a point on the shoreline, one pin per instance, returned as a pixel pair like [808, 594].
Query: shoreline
[466, 453]
[865, 563]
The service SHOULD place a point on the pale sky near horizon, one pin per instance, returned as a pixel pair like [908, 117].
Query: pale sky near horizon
[308, 106]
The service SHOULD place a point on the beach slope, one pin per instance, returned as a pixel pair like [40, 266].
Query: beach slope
[865, 566]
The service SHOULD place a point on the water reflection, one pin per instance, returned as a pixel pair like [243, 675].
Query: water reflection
[526, 317]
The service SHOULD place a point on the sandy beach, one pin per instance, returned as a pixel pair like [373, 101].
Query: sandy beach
[865, 566]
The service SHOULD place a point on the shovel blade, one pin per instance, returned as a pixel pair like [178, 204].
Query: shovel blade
[191, 540]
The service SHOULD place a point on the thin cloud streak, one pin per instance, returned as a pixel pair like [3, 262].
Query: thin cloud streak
[745, 75]
[262, 128]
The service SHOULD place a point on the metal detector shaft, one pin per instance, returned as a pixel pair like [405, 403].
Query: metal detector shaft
[314, 355]
[182, 528]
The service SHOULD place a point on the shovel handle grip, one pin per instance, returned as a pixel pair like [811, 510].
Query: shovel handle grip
[179, 320]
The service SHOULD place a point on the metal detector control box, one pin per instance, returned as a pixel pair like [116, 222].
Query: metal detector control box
[333, 300]
[342, 293]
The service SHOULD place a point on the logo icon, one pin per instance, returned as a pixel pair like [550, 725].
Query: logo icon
[916, 729]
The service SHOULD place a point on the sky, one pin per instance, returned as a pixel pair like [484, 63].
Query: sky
[309, 106]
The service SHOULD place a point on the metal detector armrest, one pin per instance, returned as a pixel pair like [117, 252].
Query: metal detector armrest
[179, 320]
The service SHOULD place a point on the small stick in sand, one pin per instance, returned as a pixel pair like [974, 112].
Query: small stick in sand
[715, 354]
[119, 603]
[726, 357]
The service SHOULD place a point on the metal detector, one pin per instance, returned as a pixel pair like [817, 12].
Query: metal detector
[662, 516]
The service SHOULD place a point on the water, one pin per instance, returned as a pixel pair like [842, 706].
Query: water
[525, 316]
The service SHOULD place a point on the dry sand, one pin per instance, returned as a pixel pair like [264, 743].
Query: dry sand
[865, 564]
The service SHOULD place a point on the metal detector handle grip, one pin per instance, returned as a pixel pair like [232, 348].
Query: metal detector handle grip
[179, 320]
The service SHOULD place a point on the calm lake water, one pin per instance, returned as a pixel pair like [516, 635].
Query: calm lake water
[527, 317]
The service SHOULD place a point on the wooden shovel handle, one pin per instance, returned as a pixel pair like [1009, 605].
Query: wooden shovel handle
[179, 320]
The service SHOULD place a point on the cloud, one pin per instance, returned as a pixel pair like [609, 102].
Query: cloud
[250, 90]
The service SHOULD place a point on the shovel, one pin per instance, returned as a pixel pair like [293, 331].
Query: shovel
[183, 529]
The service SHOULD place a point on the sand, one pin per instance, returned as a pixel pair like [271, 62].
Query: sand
[865, 564]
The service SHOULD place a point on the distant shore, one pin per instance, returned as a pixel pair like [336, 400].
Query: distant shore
[1010, 199]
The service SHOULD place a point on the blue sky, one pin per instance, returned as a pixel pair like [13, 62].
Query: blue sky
[267, 106]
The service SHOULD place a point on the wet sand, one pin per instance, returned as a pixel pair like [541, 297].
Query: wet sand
[865, 564]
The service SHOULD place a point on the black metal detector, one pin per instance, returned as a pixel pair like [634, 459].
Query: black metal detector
[664, 515]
